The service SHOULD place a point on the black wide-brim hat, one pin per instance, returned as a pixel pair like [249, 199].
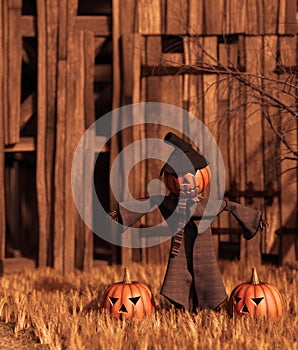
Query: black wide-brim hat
[177, 164]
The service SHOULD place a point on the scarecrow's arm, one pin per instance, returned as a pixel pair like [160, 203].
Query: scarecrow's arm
[249, 219]
[127, 213]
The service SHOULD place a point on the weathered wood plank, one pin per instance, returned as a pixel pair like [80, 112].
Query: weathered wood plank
[254, 144]
[28, 26]
[2, 111]
[254, 17]
[59, 172]
[288, 51]
[25, 144]
[271, 17]
[51, 39]
[71, 140]
[214, 17]
[223, 84]
[63, 27]
[153, 55]
[28, 108]
[89, 53]
[287, 20]
[271, 146]
[116, 34]
[236, 17]
[14, 65]
[100, 25]
[128, 16]
[195, 17]
[176, 17]
[150, 16]
[210, 85]
[41, 189]
[77, 109]
[103, 73]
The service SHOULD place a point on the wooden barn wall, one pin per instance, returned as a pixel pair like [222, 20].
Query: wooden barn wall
[254, 40]
[255, 37]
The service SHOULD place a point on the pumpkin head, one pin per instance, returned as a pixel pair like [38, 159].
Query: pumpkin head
[254, 298]
[187, 184]
[128, 298]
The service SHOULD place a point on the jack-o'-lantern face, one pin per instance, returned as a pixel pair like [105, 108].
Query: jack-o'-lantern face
[258, 299]
[127, 299]
[189, 185]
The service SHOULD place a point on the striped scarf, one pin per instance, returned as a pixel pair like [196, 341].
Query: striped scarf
[182, 207]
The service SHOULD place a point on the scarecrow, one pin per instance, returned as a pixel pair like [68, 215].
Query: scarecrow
[192, 279]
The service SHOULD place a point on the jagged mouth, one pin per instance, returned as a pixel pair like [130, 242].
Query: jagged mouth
[189, 191]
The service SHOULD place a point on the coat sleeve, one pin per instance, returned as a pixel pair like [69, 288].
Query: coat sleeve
[249, 219]
[127, 213]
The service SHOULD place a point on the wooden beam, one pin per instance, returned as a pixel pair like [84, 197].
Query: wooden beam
[100, 25]
[89, 108]
[103, 73]
[164, 70]
[25, 144]
[73, 131]
[28, 108]
[28, 26]
[2, 112]
[14, 64]
[42, 205]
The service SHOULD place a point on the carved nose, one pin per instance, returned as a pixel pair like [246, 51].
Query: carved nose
[123, 309]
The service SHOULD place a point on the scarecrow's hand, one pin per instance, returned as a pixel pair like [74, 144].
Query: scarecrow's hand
[115, 215]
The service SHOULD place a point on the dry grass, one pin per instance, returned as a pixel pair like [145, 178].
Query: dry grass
[64, 312]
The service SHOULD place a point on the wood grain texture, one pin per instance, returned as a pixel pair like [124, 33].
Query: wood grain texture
[2, 111]
[214, 17]
[287, 19]
[176, 16]
[59, 172]
[149, 16]
[253, 142]
[14, 64]
[42, 197]
[288, 50]
[71, 140]
[89, 54]
[196, 17]
[271, 147]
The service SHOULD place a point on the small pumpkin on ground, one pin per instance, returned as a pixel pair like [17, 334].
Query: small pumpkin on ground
[127, 299]
[255, 298]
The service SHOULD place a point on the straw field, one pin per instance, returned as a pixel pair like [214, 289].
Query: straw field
[41, 309]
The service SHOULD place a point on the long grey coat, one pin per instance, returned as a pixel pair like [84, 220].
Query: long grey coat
[194, 271]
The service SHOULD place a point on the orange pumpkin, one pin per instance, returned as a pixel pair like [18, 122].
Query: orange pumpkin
[254, 298]
[127, 299]
[188, 184]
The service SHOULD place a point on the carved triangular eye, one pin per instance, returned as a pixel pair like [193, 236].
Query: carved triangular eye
[237, 299]
[257, 300]
[134, 300]
[185, 181]
[244, 309]
[123, 309]
[113, 300]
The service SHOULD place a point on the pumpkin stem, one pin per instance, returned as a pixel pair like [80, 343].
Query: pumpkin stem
[254, 276]
[126, 278]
